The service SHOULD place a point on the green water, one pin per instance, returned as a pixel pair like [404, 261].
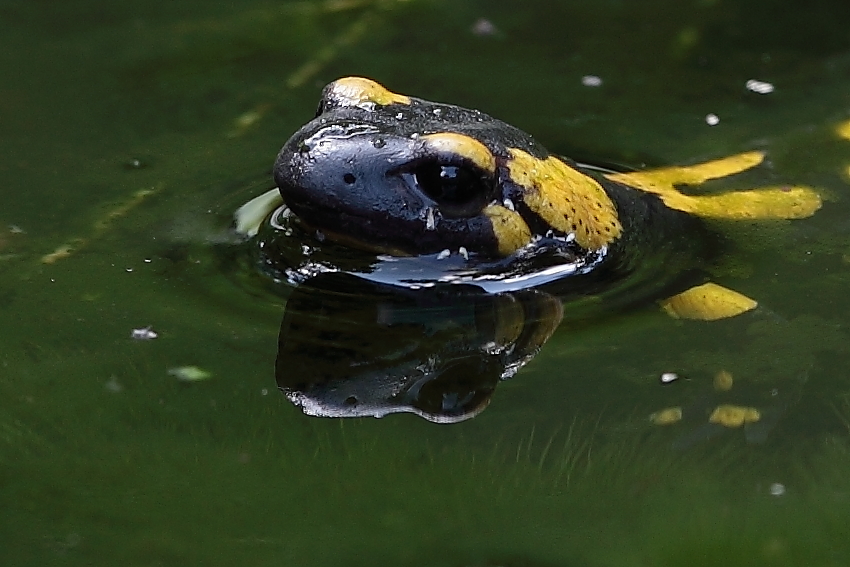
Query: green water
[105, 458]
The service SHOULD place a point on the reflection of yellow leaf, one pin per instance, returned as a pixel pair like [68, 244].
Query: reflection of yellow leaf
[734, 416]
[666, 416]
[723, 381]
[707, 302]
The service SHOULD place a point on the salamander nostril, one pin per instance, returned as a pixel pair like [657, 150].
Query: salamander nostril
[349, 178]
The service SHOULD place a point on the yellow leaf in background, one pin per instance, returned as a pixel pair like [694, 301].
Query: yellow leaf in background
[666, 416]
[723, 381]
[843, 130]
[707, 302]
[734, 416]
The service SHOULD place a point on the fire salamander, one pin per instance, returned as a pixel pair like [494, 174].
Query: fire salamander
[397, 175]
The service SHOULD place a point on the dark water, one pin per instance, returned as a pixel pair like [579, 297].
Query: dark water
[128, 134]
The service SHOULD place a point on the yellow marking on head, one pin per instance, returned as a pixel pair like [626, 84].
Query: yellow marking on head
[667, 416]
[354, 91]
[464, 146]
[510, 230]
[734, 416]
[843, 130]
[707, 302]
[568, 200]
[762, 203]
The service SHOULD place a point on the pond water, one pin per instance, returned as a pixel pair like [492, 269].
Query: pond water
[131, 132]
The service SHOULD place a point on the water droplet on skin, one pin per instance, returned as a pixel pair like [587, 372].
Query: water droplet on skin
[430, 219]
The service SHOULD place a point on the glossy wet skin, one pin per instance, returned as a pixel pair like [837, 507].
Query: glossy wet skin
[403, 175]
[395, 174]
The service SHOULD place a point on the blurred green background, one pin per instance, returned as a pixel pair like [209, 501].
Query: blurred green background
[128, 132]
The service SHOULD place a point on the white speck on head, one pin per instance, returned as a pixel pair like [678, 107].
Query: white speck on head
[759, 87]
[712, 119]
[668, 377]
[509, 204]
[591, 81]
[444, 254]
[463, 252]
[430, 219]
[399, 116]
[438, 111]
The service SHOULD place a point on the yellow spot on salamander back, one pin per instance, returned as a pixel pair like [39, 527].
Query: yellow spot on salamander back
[510, 230]
[463, 146]
[707, 302]
[355, 91]
[568, 200]
[763, 203]
[734, 416]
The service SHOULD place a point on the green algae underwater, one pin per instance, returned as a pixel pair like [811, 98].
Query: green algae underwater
[131, 132]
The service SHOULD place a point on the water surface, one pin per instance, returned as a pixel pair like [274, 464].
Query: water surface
[129, 133]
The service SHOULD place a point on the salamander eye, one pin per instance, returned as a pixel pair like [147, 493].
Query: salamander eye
[460, 189]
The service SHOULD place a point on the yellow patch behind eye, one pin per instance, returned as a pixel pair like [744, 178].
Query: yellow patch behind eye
[568, 200]
[510, 230]
[464, 146]
[354, 91]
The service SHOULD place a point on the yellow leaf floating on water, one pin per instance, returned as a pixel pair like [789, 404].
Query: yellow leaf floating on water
[723, 381]
[707, 302]
[734, 416]
[843, 130]
[667, 416]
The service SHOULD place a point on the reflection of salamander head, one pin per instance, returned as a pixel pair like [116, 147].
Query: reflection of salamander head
[391, 173]
[353, 348]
